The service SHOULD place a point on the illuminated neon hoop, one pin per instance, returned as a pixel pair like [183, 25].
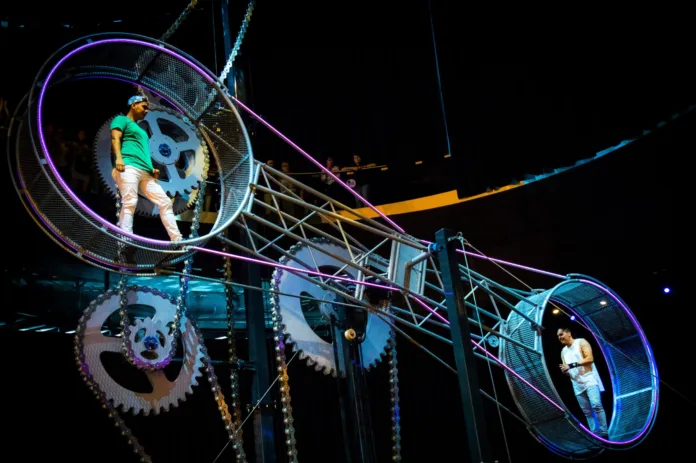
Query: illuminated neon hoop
[188, 87]
[631, 364]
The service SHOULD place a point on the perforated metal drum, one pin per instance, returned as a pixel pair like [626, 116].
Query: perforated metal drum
[187, 87]
[632, 368]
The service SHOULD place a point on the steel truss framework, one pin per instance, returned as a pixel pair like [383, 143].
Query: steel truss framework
[393, 276]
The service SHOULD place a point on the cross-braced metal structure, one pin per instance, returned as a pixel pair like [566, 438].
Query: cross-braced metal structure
[327, 255]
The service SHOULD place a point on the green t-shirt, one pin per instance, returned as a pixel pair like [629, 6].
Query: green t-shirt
[134, 144]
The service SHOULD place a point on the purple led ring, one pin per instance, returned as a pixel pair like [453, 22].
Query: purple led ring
[58, 239]
[651, 361]
[52, 166]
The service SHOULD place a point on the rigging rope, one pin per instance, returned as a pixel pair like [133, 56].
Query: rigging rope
[439, 81]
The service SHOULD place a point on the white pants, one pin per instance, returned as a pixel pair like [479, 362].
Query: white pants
[128, 183]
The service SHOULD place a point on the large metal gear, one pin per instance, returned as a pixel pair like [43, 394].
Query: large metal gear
[91, 343]
[177, 150]
[294, 326]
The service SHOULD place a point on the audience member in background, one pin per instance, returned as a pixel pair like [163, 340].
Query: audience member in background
[59, 150]
[289, 189]
[330, 187]
[361, 179]
[81, 163]
[5, 115]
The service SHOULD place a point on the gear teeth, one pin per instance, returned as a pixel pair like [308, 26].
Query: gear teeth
[101, 154]
[276, 279]
[99, 308]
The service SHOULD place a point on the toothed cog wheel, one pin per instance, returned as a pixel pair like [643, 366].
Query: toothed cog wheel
[151, 338]
[176, 149]
[295, 327]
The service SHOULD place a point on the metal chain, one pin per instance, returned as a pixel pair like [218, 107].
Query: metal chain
[282, 369]
[118, 204]
[183, 283]
[217, 391]
[142, 62]
[238, 42]
[235, 51]
[108, 405]
[394, 391]
[184, 14]
[93, 386]
[209, 370]
[127, 347]
[238, 441]
[230, 425]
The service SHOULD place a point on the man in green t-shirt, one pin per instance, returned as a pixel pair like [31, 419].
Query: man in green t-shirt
[134, 168]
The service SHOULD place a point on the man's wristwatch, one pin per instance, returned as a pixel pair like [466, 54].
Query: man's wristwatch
[573, 365]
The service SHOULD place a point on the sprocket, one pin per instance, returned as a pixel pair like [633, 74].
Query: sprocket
[295, 328]
[93, 343]
[177, 150]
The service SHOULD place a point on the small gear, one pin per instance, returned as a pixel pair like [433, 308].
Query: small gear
[177, 150]
[295, 328]
[150, 340]
[93, 343]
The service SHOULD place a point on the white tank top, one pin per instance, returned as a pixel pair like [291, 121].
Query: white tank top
[583, 376]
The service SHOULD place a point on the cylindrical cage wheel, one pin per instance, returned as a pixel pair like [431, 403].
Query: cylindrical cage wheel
[17, 127]
[179, 80]
[629, 357]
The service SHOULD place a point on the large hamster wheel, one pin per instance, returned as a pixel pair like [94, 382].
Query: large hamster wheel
[178, 79]
[629, 357]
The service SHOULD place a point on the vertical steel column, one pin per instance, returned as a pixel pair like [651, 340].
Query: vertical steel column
[352, 388]
[479, 446]
[263, 420]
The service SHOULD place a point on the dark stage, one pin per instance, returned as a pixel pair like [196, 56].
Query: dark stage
[621, 219]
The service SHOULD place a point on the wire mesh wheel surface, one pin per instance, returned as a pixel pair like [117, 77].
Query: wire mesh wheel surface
[17, 127]
[629, 358]
[177, 79]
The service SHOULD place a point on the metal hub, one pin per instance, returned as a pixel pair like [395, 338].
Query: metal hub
[150, 343]
[295, 327]
[164, 150]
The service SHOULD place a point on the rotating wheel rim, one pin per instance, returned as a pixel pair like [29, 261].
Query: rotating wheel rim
[29, 204]
[550, 420]
[614, 371]
[238, 193]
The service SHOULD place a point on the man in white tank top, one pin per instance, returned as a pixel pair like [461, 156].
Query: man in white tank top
[578, 363]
